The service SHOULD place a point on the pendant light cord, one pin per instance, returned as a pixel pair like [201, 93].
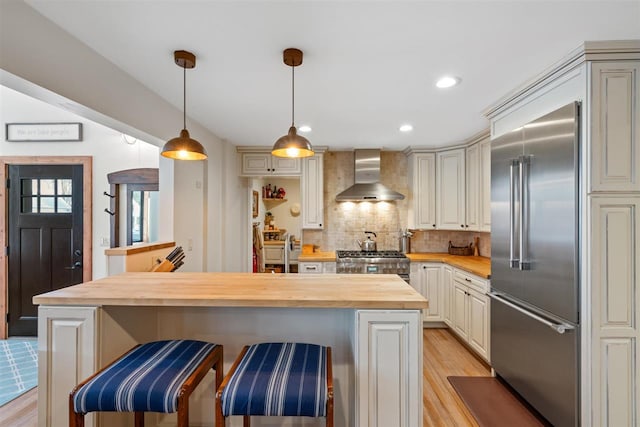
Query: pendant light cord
[184, 97]
[293, 95]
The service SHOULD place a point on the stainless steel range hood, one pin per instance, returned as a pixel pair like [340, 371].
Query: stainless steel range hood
[367, 185]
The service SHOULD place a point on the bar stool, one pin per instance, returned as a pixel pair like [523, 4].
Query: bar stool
[278, 379]
[157, 376]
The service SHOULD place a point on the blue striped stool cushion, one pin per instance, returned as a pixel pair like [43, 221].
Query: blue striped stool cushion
[146, 379]
[279, 379]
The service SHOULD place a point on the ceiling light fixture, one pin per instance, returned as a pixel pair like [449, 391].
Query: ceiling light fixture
[292, 144]
[406, 128]
[184, 147]
[448, 81]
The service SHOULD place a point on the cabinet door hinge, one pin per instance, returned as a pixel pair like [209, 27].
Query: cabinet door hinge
[6, 250]
[8, 182]
[7, 317]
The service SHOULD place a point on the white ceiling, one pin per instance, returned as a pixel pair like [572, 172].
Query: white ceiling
[369, 66]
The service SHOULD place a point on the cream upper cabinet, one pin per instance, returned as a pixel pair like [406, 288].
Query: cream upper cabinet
[450, 193]
[485, 184]
[615, 136]
[312, 192]
[264, 164]
[422, 181]
[473, 188]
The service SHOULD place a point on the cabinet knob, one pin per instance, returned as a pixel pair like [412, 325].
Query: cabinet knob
[467, 226]
[434, 225]
[468, 280]
[462, 225]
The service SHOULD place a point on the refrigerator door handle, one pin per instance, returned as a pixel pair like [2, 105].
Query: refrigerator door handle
[560, 328]
[524, 263]
[514, 262]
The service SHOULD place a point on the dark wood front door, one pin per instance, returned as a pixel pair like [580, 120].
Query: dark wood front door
[45, 237]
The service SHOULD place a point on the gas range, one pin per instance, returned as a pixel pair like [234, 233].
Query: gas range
[373, 262]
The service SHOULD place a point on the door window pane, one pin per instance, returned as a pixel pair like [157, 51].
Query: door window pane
[28, 187]
[29, 205]
[64, 187]
[64, 205]
[47, 204]
[48, 186]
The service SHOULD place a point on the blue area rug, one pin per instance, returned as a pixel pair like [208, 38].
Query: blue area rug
[18, 367]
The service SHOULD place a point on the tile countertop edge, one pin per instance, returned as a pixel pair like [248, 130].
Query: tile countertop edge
[480, 266]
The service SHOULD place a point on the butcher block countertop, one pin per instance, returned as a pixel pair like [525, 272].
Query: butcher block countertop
[379, 291]
[318, 256]
[478, 265]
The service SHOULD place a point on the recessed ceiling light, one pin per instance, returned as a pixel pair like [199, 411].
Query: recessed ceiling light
[447, 81]
[304, 128]
[406, 128]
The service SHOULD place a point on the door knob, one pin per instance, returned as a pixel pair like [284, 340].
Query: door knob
[77, 252]
[75, 265]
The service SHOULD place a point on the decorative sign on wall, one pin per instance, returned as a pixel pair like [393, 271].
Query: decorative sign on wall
[24, 132]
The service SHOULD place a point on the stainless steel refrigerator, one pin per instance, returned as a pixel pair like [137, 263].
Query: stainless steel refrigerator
[535, 294]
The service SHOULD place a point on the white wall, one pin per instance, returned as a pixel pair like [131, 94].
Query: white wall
[52, 66]
[110, 153]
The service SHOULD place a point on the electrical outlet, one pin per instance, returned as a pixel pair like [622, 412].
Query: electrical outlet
[104, 242]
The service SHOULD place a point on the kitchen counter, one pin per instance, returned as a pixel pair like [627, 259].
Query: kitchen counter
[372, 322]
[478, 265]
[329, 256]
[382, 291]
[274, 243]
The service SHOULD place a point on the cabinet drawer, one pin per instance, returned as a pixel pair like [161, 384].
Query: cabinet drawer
[471, 280]
[274, 255]
[310, 267]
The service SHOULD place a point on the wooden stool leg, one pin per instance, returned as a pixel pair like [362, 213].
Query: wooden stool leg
[329, 420]
[76, 420]
[246, 421]
[139, 419]
[183, 411]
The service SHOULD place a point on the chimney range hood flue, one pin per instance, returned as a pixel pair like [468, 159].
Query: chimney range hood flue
[367, 185]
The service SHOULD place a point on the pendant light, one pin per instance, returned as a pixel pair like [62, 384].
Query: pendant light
[184, 147]
[292, 144]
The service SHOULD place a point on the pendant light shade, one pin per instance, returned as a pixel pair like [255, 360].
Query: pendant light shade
[184, 147]
[292, 144]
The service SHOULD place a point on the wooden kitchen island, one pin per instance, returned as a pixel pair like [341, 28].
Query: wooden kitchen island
[372, 322]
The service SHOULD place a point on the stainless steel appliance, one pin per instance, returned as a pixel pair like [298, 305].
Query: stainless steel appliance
[367, 185]
[535, 319]
[373, 262]
[368, 245]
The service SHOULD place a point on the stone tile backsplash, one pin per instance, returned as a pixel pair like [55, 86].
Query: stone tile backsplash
[438, 241]
[346, 221]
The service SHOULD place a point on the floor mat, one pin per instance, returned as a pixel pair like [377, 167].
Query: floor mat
[492, 404]
[18, 367]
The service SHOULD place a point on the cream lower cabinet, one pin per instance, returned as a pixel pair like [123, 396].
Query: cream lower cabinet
[67, 354]
[320, 267]
[447, 292]
[388, 374]
[470, 315]
[426, 279]
[615, 307]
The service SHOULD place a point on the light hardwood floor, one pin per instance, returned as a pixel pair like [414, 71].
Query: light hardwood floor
[443, 356]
